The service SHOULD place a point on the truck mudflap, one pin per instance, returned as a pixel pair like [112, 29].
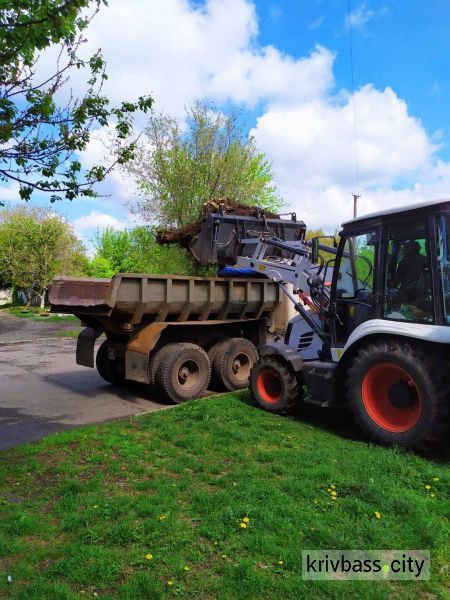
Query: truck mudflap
[85, 346]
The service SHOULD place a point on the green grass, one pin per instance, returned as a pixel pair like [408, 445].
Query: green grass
[37, 314]
[80, 510]
[71, 333]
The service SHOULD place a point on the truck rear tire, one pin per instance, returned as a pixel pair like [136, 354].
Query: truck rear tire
[273, 385]
[399, 395]
[215, 351]
[184, 373]
[233, 363]
[111, 370]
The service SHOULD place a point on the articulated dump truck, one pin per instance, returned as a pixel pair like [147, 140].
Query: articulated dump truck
[178, 335]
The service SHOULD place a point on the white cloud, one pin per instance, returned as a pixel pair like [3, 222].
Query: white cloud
[179, 52]
[316, 23]
[313, 142]
[10, 192]
[97, 220]
[361, 15]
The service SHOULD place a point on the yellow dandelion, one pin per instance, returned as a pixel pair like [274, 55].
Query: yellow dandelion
[281, 562]
[162, 517]
[95, 505]
[432, 495]
[186, 568]
[149, 556]
[224, 555]
[333, 498]
[328, 489]
[333, 493]
[333, 487]
[428, 487]
[245, 520]
[436, 479]
[377, 514]
[170, 583]
[243, 525]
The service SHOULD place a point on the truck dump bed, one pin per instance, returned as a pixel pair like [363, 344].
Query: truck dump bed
[137, 298]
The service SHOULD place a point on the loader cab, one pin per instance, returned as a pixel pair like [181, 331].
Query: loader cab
[393, 266]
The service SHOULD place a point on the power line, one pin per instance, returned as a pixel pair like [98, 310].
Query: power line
[355, 134]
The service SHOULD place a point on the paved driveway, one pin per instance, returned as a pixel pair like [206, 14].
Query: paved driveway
[43, 390]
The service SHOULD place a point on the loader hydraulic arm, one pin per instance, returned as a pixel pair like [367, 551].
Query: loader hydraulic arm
[298, 270]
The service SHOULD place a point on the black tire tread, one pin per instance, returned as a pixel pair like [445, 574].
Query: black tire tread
[165, 367]
[213, 353]
[221, 359]
[433, 366]
[291, 383]
[106, 368]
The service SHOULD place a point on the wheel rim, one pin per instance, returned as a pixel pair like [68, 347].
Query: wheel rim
[269, 385]
[391, 398]
[188, 374]
[241, 366]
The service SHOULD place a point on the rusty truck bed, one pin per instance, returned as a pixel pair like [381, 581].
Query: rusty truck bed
[139, 298]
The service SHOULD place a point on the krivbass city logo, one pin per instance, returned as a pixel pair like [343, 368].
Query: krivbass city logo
[378, 565]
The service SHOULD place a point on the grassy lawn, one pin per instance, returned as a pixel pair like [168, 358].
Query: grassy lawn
[152, 506]
[37, 314]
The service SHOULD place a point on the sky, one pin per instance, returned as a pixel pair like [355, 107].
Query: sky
[286, 65]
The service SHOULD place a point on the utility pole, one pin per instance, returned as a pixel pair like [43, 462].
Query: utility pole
[355, 204]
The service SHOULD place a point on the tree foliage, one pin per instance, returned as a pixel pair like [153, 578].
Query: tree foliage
[180, 166]
[40, 132]
[36, 245]
[136, 251]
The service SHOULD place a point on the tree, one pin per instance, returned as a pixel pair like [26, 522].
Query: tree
[178, 167]
[35, 246]
[136, 251]
[40, 132]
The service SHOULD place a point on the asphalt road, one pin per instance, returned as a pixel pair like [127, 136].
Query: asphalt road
[43, 390]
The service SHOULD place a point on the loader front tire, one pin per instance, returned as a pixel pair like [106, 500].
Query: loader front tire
[398, 394]
[273, 385]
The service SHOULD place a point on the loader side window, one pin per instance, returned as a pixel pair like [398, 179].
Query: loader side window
[444, 262]
[408, 290]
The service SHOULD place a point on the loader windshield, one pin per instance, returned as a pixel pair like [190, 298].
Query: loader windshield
[444, 262]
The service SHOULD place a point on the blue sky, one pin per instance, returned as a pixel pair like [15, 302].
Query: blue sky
[402, 44]
[286, 65]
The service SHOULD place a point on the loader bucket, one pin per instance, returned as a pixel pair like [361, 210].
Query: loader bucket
[223, 237]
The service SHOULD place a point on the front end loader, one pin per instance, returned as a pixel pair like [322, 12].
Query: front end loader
[373, 323]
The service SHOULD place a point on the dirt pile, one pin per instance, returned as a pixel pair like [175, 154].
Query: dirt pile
[183, 236]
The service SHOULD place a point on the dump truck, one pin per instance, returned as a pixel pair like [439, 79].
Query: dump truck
[178, 335]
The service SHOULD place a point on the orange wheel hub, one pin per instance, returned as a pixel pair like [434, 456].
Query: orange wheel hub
[391, 398]
[269, 385]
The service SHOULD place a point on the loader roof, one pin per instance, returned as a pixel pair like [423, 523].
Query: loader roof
[412, 208]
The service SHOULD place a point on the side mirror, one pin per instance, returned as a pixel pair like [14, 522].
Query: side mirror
[315, 250]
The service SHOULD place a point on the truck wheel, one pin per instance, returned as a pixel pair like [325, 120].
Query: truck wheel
[184, 373]
[112, 371]
[398, 394]
[215, 382]
[273, 386]
[233, 363]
